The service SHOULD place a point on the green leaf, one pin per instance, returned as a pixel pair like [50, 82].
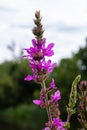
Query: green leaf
[73, 93]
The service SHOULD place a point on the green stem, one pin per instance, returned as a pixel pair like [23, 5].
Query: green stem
[46, 102]
[68, 117]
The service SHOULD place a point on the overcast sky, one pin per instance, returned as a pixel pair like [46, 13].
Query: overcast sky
[64, 21]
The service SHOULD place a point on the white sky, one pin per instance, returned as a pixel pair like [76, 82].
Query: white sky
[64, 21]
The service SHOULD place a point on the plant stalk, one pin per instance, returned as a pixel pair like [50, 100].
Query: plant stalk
[46, 102]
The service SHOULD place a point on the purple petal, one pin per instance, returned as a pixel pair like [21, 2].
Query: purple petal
[50, 46]
[52, 84]
[34, 42]
[46, 128]
[51, 67]
[56, 96]
[37, 102]
[28, 77]
[48, 51]
[58, 124]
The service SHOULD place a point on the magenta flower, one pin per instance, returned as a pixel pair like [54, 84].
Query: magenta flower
[56, 96]
[40, 102]
[52, 84]
[37, 102]
[48, 51]
[57, 123]
[30, 77]
[46, 128]
[48, 66]
[45, 67]
[37, 60]
[40, 68]
[38, 51]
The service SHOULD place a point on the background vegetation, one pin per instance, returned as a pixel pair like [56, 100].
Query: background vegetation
[16, 108]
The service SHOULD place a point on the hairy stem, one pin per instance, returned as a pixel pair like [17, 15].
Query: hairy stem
[46, 102]
[68, 117]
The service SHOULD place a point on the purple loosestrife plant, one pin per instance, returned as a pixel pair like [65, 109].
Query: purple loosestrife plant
[41, 68]
[82, 107]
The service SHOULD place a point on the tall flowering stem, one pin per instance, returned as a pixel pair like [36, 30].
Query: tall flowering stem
[41, 68]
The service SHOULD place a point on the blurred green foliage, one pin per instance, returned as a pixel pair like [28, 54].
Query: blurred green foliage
[16, 95]
[23, 117]
[13, 89]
